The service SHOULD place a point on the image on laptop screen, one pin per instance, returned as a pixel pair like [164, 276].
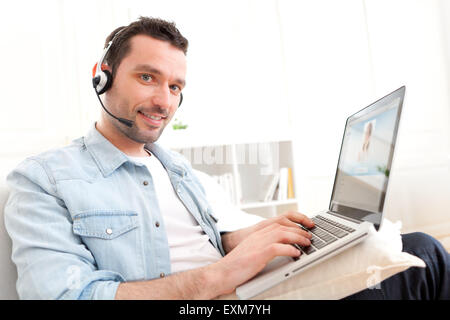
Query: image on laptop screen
[365, 161]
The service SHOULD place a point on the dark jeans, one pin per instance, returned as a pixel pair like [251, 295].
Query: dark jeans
[430, 283]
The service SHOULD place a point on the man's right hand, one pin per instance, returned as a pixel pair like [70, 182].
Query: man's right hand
[251, 255]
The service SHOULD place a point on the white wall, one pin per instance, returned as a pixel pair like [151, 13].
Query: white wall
[257, 70]
[415, 53]
[330, 76]
[234, 87]
[347, 55]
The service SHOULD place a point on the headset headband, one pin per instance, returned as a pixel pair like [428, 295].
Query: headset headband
[105, 52]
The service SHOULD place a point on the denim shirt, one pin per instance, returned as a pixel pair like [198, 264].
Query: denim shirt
[85, 217]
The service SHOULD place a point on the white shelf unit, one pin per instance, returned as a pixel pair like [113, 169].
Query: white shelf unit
[252, 166]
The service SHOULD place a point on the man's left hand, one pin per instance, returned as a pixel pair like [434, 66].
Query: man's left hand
[289, 219]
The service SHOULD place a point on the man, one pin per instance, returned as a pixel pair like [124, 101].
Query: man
[115, 215]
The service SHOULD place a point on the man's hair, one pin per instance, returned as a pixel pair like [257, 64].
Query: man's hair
[153, 27]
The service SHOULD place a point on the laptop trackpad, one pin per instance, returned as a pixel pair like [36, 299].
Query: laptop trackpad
[276, 263]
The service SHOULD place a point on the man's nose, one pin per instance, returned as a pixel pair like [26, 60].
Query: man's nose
[161, 97]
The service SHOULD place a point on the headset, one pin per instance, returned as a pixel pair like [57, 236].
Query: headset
[102, 81]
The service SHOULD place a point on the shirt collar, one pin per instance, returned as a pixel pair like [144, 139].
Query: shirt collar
[108, 157]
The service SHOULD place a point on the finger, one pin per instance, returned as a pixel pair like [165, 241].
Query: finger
[305, 236]
[268, 228]
[279, 249]
[305, 233]
[297, 230]
[298, 217]
[276, 233]
[288, 235]
[286, 222]
[261, 235]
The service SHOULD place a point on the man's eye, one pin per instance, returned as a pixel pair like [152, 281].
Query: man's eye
[175, 88]
[146, 77]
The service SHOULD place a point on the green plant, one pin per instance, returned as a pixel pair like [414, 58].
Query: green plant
[384, 170]
[178, 125]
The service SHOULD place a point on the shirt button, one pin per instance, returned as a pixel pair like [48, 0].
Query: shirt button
[109, 231]
[157, 224]
[162, 275]
[145, 182]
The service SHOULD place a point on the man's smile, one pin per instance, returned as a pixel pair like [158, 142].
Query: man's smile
[152, 119]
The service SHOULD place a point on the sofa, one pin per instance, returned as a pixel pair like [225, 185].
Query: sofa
[8, 272]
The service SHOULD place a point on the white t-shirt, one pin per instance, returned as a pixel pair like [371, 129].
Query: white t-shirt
[189, 246]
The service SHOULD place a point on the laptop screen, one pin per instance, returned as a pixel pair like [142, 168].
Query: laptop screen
[365, 160]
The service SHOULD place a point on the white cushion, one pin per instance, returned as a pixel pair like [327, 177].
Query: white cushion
[8, 271]
[361, 267]
[365, 265]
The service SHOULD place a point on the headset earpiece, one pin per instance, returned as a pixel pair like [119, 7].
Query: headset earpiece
[108, 84]
[102, 80]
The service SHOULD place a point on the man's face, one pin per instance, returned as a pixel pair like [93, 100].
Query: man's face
[146, 88]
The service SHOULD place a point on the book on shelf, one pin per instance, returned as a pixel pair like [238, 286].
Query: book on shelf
[281, 186]
[226, 181]
[276, 194]
[290, 191]
[270, 187]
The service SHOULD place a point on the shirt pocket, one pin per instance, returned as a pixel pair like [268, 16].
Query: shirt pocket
[106, 225]
[113, 238]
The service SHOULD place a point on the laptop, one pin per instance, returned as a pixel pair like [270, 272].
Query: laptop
[358, 195]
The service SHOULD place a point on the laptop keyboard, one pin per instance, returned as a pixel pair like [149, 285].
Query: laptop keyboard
[324, 232]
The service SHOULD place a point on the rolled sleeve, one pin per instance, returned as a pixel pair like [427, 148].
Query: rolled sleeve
[52, 262]
[102, 285]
